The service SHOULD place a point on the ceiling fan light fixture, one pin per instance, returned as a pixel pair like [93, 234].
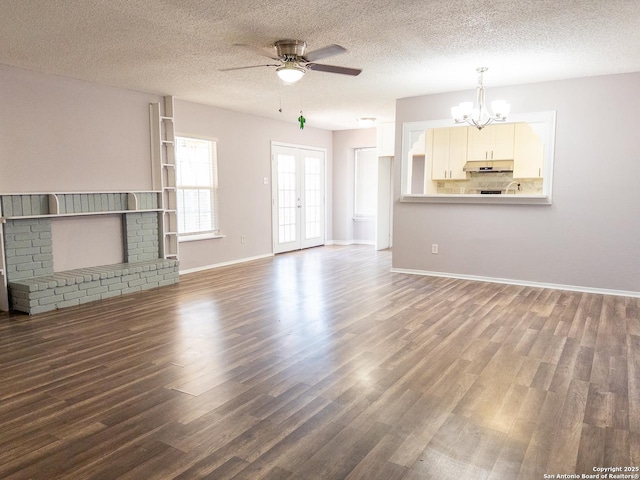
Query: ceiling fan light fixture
[290, 72]
[366, 122]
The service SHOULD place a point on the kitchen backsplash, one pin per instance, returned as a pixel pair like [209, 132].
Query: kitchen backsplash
[490, 181]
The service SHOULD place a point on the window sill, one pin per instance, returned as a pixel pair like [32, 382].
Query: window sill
[480, 199]
[201, 236]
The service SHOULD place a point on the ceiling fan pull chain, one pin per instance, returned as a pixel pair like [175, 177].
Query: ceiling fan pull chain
[301, 120]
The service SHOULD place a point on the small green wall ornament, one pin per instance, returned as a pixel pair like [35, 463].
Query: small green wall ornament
[301, 120]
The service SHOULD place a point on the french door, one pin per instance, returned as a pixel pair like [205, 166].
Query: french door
[298, 184]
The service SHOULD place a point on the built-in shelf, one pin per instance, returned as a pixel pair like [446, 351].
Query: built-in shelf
[164, 173]
[68, 204]
[80, 214]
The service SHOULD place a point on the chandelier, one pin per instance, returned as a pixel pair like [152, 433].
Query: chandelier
[478, 115]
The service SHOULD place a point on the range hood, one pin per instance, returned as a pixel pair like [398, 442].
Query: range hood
[489, 166]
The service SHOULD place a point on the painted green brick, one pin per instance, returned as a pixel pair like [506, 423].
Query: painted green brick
[26, 204]
[7, 206]
[66, 289]
[97, 291]
[110, 294]
[117, 286]
[68, 201]
[84, 202]
[51, 300]
[90, 298]
[16, 205]
[74, 295]
[68, 303]
[41, 309]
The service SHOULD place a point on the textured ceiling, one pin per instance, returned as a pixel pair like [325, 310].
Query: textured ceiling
[406, 48]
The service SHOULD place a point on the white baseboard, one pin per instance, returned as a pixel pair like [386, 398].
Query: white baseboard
[523, 283]
[224, 264]
[350, 242]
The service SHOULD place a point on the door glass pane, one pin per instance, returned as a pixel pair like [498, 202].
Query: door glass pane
[313, 197]
[287, 200]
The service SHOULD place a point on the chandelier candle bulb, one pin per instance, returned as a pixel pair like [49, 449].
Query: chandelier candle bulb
[500, 108]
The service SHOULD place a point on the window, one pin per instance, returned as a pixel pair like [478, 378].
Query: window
[197, 185]
[366, 182]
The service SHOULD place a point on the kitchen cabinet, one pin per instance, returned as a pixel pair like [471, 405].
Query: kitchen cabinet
[447, 148]
[528, 153]
[494, 142]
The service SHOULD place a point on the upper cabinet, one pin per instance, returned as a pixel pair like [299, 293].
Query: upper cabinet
[447, 148]
[491, 143]
[386, 139]
[528, 152]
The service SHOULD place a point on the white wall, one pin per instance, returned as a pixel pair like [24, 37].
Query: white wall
[345, 230]
[80, 242]
[590, 235]
[63, 135]
[244, 159]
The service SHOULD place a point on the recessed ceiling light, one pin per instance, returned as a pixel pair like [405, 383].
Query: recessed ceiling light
[366, 121]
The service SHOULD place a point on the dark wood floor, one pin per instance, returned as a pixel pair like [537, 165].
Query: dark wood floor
[323, 365]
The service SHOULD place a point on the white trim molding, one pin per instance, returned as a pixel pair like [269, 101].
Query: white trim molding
[523, 283]
[199, 236]
[224, 264]
[350, 242]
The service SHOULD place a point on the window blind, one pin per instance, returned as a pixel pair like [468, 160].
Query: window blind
[197, 185]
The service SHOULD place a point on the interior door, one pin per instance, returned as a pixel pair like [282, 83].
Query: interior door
[298, 198]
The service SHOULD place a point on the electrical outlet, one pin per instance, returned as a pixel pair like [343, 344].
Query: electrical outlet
[434, 248]
[462, 190]
[241, 238]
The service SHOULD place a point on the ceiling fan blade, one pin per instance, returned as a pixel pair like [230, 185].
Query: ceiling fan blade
[334, 69]
[243, 68]
[328, 51]
[258, 50]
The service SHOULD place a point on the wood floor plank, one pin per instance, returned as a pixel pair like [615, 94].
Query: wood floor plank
[566, 444]
[616, 449]
[539, 449]
[337, 459]
[317, 365]
[591, 450]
